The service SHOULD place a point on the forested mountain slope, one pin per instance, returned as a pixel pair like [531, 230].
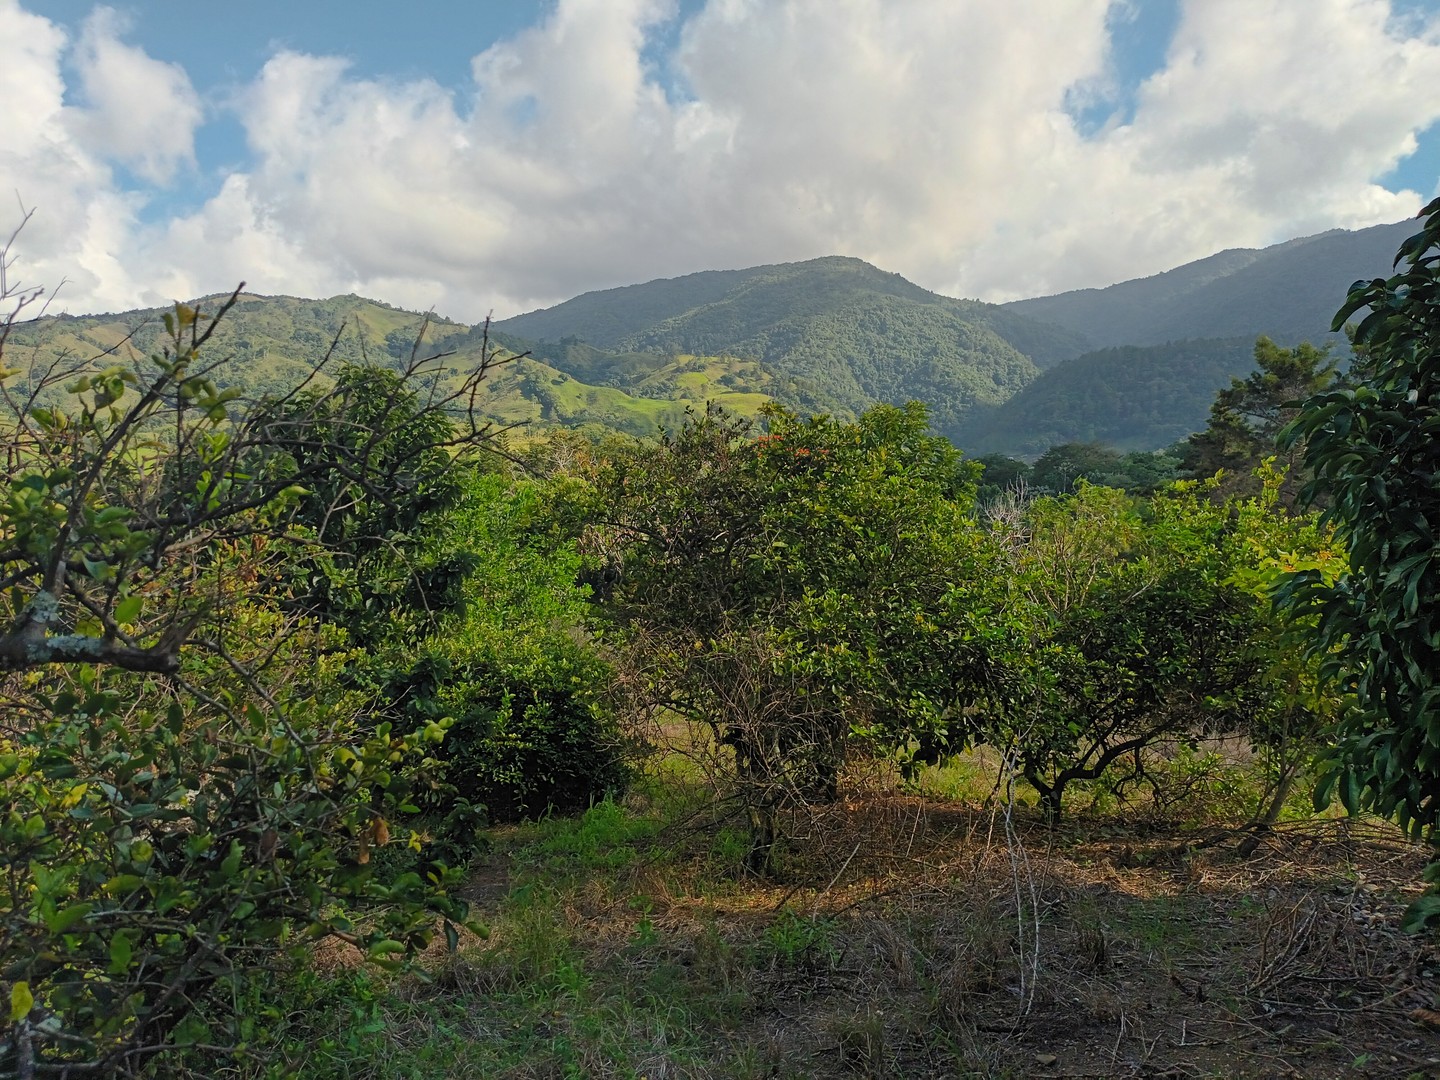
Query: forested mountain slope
[1130, 397]
[828, 335]
[836, 333]
[1288, 292]
[725, 306]
[270, 344]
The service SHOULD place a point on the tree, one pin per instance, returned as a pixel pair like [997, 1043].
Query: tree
[1062, 467]
[789, 593]
[1249, 414]
[1374, 451]
[187, 793]
[514, 667]
[1136, 634]
[374, 569]
[1001, 474]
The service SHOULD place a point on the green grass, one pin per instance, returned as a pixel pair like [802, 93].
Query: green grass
[532, 1001]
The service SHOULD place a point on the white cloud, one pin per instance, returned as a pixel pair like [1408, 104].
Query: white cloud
[137, 110]
[57, 158]
[930, 137]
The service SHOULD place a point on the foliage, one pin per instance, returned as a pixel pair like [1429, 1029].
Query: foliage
[185, 801]
[1372, 449]
[1137, 634]
[149, 464]
[149, 865]
[790, 591]
[372, 573]
[1135, 398]
[1248, 415]
[1000, 474]
[1305, 705]
[512, 672]
[506, 664]
[1061, 469]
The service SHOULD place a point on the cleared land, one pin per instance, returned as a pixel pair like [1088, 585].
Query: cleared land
[912, 936]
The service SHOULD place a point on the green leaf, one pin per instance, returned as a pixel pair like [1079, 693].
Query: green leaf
[128, 610]
[385, 947]
[231, 866]
[120, 952]
[62, 920]
[122, 884]
[1422, 914]
[21, 1001]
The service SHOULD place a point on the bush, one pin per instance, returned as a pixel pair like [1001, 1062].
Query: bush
[523, 742]
[510, 670]
[153, 856]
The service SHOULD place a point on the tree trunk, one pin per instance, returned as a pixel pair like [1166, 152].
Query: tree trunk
[760, 859]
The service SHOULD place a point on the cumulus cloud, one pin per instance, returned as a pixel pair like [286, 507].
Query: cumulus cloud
[137, 111]
[611, 143]
[59, 158]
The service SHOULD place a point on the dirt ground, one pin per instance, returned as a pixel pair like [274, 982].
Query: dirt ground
[925, 940]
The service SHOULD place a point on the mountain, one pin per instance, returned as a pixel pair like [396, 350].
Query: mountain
[1136, 365]
[1288, 292]
[1129, 397]
[269, 344]
[836, 334]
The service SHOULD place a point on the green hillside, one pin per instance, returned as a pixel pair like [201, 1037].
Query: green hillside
[836, 334]
[536, 394]
[832, 335]
[1130, 397]
[269, 344]
[611, 318]
[1288, 292]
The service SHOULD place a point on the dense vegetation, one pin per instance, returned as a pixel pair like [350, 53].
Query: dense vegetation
[1286, 292]
[832, 336]
[281, 654]
[1131, 397]
[837, 335]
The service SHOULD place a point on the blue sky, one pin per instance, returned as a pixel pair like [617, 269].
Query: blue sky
[487, 156]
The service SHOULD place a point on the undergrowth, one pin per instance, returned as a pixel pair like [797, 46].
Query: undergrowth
[903, 943]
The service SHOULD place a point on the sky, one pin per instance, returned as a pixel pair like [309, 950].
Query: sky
[494, 156]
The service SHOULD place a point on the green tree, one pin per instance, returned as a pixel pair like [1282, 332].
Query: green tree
[1248, 415]
[187, 794]
[373, 568]
[1001, 474]
[1137, 633]
[792, 592]
[1061, 468]
[513, 667]
[1372, 450]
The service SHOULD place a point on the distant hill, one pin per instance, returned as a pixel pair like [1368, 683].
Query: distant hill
[836, 334]
[268, 344]
[1289, 292]
[1129, 397]
[1135, 365]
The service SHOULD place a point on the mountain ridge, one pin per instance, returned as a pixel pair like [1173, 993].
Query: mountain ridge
[1131, 364]
[1288, 292]
[838, 333]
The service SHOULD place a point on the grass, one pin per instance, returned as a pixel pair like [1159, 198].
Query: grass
[906, 940]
